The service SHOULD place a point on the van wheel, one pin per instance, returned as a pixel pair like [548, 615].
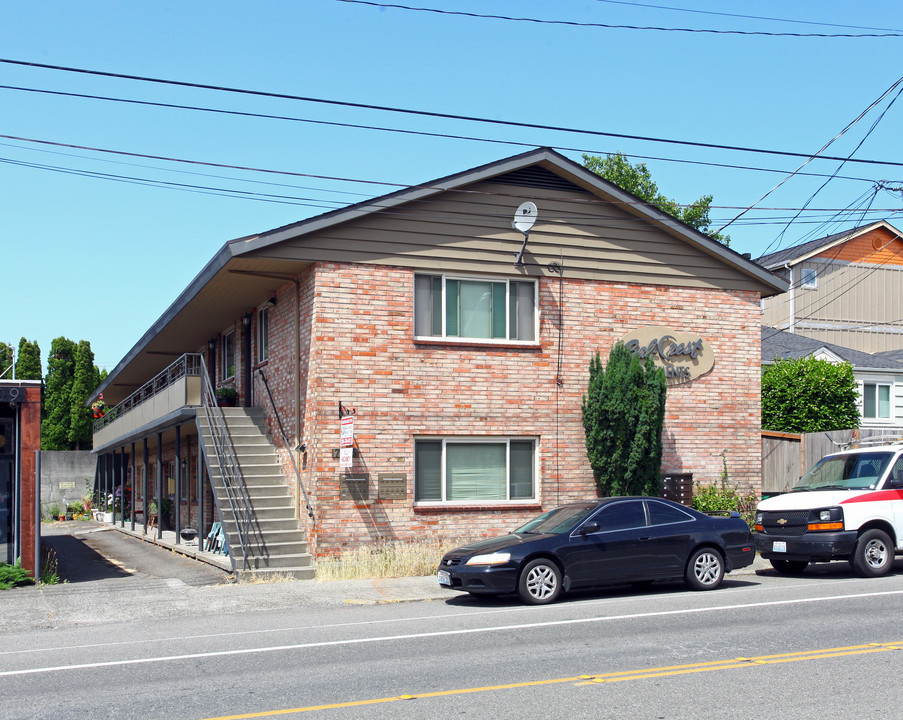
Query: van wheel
[873, 555]
[789, 567]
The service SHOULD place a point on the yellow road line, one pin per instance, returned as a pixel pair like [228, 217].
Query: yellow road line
[730, 664]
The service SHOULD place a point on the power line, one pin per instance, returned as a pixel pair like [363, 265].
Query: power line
[423, 133]
[573, 23]
[744, 17]
[290, 173]
[428, 113]
[825, 147]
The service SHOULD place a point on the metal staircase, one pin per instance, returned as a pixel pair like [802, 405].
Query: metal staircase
[263, 533]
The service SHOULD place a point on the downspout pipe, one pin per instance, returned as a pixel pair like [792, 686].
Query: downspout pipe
[791, 304]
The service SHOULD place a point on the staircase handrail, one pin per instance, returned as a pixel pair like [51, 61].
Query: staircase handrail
[230, 471]
[291, 456]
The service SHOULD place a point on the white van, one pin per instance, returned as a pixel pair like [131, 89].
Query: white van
[847, 507]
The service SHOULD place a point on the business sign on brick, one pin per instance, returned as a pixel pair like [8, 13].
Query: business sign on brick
[684, 356]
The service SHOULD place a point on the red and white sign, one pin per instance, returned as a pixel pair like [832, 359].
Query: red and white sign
[347, 437]
[346, 457]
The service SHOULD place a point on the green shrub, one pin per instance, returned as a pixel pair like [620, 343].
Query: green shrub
[721, 497]
[75, 508]
[13, 575]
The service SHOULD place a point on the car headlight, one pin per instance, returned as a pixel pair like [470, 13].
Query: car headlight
[491, 559]
[826, 519]
[759, 517]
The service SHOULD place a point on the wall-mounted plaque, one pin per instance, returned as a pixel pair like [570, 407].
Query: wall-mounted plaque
[683, 355]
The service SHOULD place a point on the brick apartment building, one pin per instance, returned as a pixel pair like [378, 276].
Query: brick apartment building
[463, 370]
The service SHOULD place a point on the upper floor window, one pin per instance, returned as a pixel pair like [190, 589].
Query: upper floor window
[263, 333]
[228, 354]
[876, 401]
[808, 278]
[475, 309]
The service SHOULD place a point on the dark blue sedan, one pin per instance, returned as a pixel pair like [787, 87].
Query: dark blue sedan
[602, 542]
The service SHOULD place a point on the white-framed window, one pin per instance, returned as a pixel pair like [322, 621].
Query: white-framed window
[484, 309]
[474, 470]
[877, 401]
[228, 354]
[808, 278]
[263, 333]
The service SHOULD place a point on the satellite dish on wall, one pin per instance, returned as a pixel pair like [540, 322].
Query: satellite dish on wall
[524, 217]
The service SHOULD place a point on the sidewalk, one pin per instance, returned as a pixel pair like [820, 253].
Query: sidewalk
[113, 577]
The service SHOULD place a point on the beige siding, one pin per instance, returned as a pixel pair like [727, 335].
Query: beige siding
[855, 306]
[470, 231]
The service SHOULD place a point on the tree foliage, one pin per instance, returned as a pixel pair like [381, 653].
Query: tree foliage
[809, 395]
[86, 377]
[623, 415]
[28, 363]
[57, 402]
[637, 179]
[6, 361]
[71, 378]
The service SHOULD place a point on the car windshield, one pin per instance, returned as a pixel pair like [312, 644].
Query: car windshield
[558, 520]
[856, 471]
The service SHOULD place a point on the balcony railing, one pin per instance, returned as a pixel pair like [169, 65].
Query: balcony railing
[179, 385]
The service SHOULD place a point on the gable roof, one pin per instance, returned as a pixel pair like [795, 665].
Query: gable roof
[782, 344]
[246, 270]
[800, 253]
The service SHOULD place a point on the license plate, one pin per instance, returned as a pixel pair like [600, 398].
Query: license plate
[444, 578]
[779, 547]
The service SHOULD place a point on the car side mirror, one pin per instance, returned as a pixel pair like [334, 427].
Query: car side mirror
[591, 527]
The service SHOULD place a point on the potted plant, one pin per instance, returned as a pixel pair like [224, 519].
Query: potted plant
[226, 397]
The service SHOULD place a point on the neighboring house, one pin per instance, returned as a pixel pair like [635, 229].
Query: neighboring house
[845, 289]
[880, 378]
[463, 371]
[20, 441]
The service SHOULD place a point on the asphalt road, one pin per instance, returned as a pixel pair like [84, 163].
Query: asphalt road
[821, 645]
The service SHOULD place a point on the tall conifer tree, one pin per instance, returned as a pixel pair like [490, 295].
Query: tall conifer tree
[623, 415]
[86, 378]
[6, 361]
[28, 364]
[57, 404]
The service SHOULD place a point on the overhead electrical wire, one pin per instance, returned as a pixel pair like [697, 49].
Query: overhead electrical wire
[744, 17]
[859, 145]
[608, 26]
[424, 133]
[849, 126]
[299, 174]
[428, 113]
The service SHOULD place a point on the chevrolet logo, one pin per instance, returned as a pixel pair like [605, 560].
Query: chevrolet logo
[782, 521]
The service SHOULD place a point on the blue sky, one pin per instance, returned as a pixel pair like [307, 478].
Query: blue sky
[101, 259]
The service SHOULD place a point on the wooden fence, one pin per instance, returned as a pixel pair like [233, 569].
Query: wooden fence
[787, 456]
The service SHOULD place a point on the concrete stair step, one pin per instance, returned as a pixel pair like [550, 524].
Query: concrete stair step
[280, 561]
[264, 525]
[271, 513]
[299, 573]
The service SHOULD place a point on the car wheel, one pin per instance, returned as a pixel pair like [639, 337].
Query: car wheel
[789, 567]
[540, 582]
[705, 570]
[873, 555]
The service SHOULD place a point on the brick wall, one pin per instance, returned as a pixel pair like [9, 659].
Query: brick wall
[356, 331]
